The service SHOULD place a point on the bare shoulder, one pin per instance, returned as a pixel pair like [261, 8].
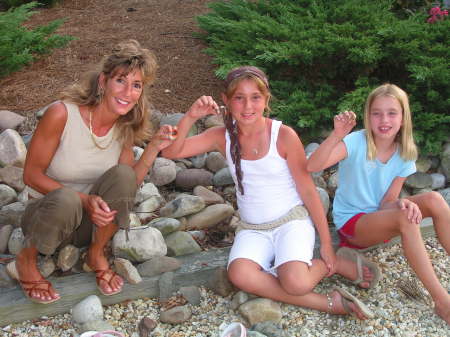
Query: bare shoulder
[288, 141]
[55, 113]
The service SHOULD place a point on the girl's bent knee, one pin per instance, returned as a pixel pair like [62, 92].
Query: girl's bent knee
[296, 286]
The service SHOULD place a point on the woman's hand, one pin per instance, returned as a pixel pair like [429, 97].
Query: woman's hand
[413, 212]
[99, 211]
[329, 257]
[164, 137]
[344, 123]
[202, 107]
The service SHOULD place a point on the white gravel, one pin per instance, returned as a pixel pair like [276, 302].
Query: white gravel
[396, 315]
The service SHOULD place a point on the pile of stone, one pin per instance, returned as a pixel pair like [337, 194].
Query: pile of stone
[167, 225]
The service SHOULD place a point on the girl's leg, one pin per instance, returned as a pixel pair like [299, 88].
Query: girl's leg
[248, 276]
[374, 228]
[432, 204]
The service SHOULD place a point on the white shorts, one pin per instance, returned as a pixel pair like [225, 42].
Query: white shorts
[293, 241]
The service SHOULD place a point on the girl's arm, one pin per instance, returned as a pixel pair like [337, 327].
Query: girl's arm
[290, 147]
[391, 200]
[333, 149]
[210, 140]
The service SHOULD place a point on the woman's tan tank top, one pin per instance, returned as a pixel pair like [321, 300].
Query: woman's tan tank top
[77, 162]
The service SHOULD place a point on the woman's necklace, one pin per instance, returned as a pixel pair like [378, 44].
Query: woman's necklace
[93, 137]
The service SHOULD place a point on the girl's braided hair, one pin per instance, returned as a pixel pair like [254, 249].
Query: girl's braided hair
[232, 80]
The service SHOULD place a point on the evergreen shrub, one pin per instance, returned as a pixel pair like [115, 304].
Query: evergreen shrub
[326, 56]
[6, 4]
[20, 45]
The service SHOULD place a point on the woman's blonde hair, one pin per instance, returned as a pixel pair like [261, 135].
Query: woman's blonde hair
[408, 149]
[126, 57]
[234, 77]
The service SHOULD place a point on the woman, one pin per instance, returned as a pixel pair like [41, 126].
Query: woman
[80, 165]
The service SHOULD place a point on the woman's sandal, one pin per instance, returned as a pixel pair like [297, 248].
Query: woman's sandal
[29, 286]
[361, 261]
[347, 298]
[100, 276]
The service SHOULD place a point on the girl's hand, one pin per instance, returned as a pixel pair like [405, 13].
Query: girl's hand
[329, 257]
[413, 212]
[344, 123]
[164, 137]
[99, 211]
[202, 107]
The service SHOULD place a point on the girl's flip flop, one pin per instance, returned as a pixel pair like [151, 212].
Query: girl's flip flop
[361, 261]
[347, 297]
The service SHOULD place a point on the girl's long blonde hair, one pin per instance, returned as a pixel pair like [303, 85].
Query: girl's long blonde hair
[408, 149]
[127, 56]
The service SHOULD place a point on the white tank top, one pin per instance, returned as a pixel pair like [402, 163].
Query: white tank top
[269, 189]
[77, 162]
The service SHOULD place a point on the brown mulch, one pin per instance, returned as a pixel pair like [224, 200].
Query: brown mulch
[164, 26]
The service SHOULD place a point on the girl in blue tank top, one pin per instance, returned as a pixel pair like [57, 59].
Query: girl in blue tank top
[272, 255]
[373, 165]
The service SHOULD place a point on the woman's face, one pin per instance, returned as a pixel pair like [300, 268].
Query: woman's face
[122, 92]
[247, 103]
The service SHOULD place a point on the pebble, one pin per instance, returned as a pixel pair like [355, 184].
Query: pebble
[396, 313]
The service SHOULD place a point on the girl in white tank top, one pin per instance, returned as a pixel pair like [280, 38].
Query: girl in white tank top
[272, 253]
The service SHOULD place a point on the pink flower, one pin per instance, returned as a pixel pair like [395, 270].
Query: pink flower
[435, 11]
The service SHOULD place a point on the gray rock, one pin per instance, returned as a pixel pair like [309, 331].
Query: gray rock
[223, 177]
[145, 208]
[11, 270]
[215, 161]
[165, 225]
[423, 164]
[137, 152]
[198, 235]
[419, 180]
[12, 213]
[181, 243]
[213, 120]
[182, 205]
[126, 269]
[88, 310]
[10, 120]
[134, 220]
[324, 198]
[46, 265]
[445, 161]
[145, 243]
[270, 329]
[146, 326]
[416, 191]
[176, 315]
[251, 333]
[6, 281]
[438, 181]
[320, 182]
[186, 162]
[189, 178]
[13, 177]
[445, 194]
[67, 257]
[145, 192]
[7, 195]
[158, 265]
[209, 217]
[199, 161]
[191, 294]
[239, 298]
[220, 283]
[166, 287]
[41, 111]
[435, 161]
[12, 149]
[174, 118]
[163, 171]
[207, 195]
[261, 310]
[16, 241]
[333, 182]
[310, 148]
[5, 233]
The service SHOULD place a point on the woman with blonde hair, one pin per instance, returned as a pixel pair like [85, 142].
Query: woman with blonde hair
[373, 165]
[80, 167]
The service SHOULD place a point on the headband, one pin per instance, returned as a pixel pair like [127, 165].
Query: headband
[246, 70]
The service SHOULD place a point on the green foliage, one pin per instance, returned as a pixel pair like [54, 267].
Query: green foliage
[19, 45]
[326, 56]
[6, 4]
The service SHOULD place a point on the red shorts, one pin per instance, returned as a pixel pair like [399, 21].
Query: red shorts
[348, 231]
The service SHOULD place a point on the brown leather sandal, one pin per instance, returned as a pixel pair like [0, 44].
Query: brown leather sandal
[29, 286]
[101, 275]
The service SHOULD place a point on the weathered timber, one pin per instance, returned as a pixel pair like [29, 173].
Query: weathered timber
[197, 269]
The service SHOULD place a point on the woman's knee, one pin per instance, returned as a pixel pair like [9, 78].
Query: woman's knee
[65, 198]
[295, 285]
[124, 179]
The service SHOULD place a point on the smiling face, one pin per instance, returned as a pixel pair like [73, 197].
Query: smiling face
[385, 116]
[122, 92]
[247, 102]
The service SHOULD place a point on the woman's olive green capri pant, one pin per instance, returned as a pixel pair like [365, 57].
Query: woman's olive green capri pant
[58, 218]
